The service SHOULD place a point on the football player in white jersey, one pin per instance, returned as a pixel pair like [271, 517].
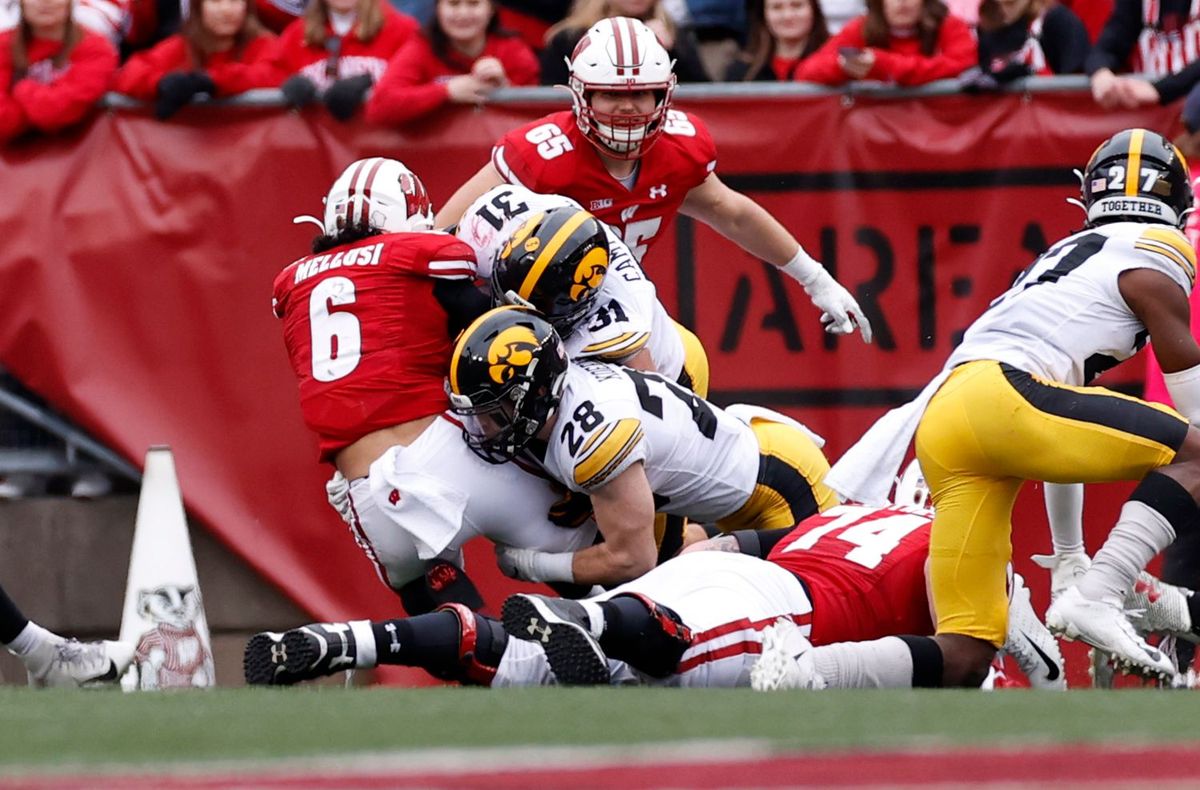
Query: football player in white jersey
[1013, 404]
[634, 441]
[616, 317]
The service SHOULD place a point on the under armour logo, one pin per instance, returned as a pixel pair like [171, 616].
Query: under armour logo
[627, 213]
[394, 497]
[543, 631]
[658, 192]
[394, 646]
[278, 653]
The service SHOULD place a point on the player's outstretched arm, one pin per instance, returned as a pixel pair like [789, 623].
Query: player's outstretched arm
[624, 511]
[741, 220]
[453, 209]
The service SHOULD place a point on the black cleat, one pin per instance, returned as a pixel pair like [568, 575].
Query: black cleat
[562, 628]
[305, 653]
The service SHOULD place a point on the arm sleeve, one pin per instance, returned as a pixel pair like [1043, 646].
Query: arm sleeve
[521, 65]
[1065, 41]
[759, 542]
[955, 54]
[256, 69]
[462, 301]
[822, 66]
[1117, 38]
[405, 91]
[68, 99]
[140, 75]
[1177, 85]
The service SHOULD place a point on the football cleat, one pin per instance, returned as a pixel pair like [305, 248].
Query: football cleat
[68, 663]
[1030, 644]
[786, 661]
[305, 653]
[1154, 606]
[1105, 626]
[1065, 569]
[562, 628]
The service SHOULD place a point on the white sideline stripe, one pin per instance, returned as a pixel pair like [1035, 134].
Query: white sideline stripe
[449, 761]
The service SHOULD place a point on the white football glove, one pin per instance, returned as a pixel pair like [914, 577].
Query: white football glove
[337, 492]
[840, 311]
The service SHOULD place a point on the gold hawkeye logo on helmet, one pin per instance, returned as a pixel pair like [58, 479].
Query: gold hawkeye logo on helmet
[522, 232]
[589, 274]
[513, 348]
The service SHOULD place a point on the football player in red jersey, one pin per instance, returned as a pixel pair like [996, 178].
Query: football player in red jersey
[369, 319]
[851, 573]
[634, 162]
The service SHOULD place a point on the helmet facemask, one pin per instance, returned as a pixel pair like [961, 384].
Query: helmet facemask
[621, 135]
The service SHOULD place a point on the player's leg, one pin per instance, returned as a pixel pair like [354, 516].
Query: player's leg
[789, 489]
[52, 660]
[451, 643]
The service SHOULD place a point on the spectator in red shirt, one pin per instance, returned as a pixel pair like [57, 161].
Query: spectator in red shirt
[338, 50]
[782, 33]
[222, 50]
[906, 42]
[52, 71]
[462, 57]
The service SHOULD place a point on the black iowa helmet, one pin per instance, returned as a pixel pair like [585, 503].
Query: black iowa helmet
[556, 262]
[506, 377]
[1137, 176]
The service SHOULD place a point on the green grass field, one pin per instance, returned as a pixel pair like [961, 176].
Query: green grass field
[56, 728]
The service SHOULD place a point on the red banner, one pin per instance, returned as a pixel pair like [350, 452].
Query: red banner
[138, 258]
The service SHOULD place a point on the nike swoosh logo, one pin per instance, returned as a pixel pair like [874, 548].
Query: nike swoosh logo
[110, 674]
[1050, 663]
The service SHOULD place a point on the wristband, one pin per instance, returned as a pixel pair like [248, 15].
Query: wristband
[1184, 386]
[553, 567]
[803, 268]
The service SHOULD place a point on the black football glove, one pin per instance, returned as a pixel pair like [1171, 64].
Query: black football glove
[344, 97]
[299, 91]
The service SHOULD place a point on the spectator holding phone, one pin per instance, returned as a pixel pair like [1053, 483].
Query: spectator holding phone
[337, 51]
[782, 33]
[461, 57]
[52, 71]
[905, 42]
[221, 51]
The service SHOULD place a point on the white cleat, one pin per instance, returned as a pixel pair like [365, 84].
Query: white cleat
[1105, 626]
[67, 663]
[1065, 569]
[1031, 644]
[786, 661]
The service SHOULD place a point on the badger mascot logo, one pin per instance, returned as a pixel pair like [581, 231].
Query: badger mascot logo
[172, 654]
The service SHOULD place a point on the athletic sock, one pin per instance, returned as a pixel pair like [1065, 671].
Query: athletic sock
[427, 640]
[1158, 507]
[12, 622]
[32, 637]
[890, 662]
[1064, 510]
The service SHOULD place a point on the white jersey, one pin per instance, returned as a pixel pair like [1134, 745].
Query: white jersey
[627, 315]
[1064, 318]
[701, 462]
[725, 599]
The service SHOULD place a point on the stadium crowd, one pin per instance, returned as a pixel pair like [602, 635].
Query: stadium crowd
[398, 62]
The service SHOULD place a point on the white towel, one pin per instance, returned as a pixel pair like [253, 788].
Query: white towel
[868, 469]
[424, 506]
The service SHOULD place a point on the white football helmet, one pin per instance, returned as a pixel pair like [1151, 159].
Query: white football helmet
[378, 193]
[620, 54]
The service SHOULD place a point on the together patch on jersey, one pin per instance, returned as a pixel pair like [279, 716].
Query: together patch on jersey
[1171, 244]
[605, 453]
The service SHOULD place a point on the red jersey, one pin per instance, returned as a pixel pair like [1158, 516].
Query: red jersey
[354, 57]
[553, 157]
[231, 72]
[415, 83]
[901, 61]
[50, 97]
[864, 568]
[366, 336]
